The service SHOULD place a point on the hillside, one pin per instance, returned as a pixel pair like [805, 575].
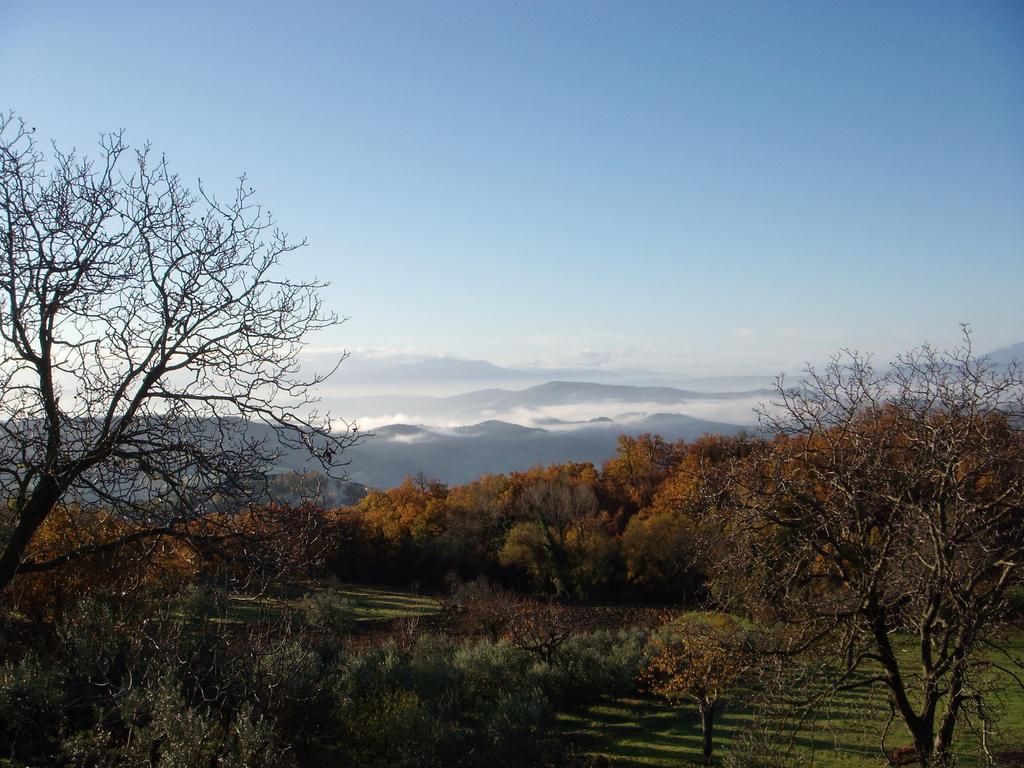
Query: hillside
[461, 454]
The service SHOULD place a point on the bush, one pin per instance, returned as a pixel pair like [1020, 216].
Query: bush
[444, 704]
[299, 689]
[503, 712]
[254, 743]
[590, 665]
[32, 708]
[166, 731]
[489, 667]
[98, 641]
[156, 725]
[202, 602]
[327, 611]
[124, 687]
[391, 728]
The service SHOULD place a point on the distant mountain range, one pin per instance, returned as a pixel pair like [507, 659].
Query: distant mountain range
[459, 437]
[570, 402]
[1006, 355]
[422, 375]
[450, 374]
[461, 454]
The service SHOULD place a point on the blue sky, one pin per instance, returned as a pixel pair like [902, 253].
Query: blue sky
[702, 187]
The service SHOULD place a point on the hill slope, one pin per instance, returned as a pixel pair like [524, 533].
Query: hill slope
[462, 454]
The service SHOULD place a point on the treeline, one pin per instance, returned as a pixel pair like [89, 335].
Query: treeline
[640, 526]
[634, 526]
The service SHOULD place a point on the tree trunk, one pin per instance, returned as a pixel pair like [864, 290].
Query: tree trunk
[942, 752]
[39, 505]
[923, 745]
[707, 727]
[921, 727]
[923, 751]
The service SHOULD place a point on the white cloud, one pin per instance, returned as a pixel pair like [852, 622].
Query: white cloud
[739, 410]
[415, 437]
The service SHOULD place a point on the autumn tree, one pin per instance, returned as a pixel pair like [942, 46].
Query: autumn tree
[399, 527]
[670, 544]
[540, 628]
[479, 607]
[700, 661]
[890, 503]
[561, 541]
[478, 517]
[631, 478]
[149, 349]
[660, 552]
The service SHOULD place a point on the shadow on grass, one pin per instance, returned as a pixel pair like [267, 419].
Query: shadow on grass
[369, 603]
[632, 733]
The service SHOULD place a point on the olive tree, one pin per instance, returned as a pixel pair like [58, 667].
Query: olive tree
[881, 526]
[149, 347]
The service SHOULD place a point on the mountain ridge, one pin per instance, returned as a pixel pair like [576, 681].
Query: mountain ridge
[461, 454]
[1006, 355]
[570, 401]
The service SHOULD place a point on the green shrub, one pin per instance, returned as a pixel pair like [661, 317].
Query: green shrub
[253, 743]
[392, 728]
[505, 712]
[99, 641]
[444, 703]
[166, 731]
[300, 690]
[201, 602]
[119, 688]
[510, 729]
[491, 667]
[377, 669]
[595, 664]
[327, 611]
[32, 708]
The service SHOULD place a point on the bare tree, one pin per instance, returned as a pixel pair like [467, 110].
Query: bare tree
[148, 346]
[883, 527]
[540, 628]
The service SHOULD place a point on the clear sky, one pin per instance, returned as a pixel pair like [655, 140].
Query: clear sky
[706, 187]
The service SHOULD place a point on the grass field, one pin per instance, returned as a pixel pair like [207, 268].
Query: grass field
[648, 732]
[369, 603]
[645, 731]
[635, 732]
[638, 732]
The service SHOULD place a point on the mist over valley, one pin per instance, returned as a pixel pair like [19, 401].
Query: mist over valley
[458, 437]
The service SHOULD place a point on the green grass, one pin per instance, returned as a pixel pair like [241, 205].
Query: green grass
[645, 731]
[648, 732]
[369, 603]
[638, 732]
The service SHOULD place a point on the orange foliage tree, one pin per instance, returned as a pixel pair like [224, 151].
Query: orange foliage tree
[631, 478]
[670, 545]
[891, 501]
[563, 540]
[74, 541]
[700, 662]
